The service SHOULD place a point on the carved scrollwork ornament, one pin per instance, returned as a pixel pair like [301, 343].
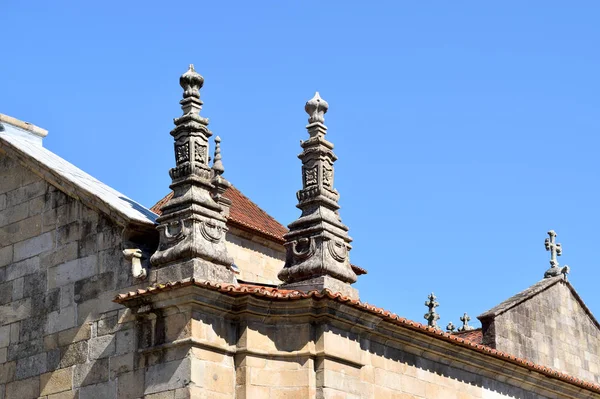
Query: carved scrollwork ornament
[211, 231]
[338, 250]
[303, 248]
[173, 232]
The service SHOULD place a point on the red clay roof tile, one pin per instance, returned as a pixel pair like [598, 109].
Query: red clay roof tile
[243, 214]
[246, 215]
[271, 293]
[475, 336]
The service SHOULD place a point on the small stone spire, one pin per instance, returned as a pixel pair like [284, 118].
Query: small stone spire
[432, 317]
[465, 320]
[219, 182]
[192, 225]
[555, 251]
[318, 245]
[450, 328]
[217, 167]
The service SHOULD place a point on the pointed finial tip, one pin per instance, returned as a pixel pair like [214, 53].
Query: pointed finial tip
[316, 108]
[191, 82]
[217, 139]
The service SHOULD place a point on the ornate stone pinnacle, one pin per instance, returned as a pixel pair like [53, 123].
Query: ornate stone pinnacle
[192, 225]
[318, 245]
[191, 82]
[555, 251]
[217, 163]
[465, 327]
[432, 317]
[219, 182]
[450, 327]
[316, 108]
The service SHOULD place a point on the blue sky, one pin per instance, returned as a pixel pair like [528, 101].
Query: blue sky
[464, 131]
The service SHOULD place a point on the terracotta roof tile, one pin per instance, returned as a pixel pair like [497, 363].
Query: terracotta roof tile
[271, 293]
[475, 336]
[246, 215]
[243, 214]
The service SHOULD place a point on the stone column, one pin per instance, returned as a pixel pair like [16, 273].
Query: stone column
[318, 245]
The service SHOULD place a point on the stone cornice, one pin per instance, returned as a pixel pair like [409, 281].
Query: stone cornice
[365, 322]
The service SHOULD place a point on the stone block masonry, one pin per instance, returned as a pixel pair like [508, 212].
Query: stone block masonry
[61, 336]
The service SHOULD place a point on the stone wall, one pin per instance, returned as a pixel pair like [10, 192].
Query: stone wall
[61, 265]
[552, 329]
[258, 259]
[249, 347]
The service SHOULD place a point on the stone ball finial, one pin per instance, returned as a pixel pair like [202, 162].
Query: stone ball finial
[191, 82]
[316, 108]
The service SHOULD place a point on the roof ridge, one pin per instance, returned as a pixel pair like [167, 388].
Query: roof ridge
[521, 297]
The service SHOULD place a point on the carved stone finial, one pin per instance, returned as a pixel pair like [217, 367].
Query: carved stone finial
[318, 245]
[219, 182]
[316, 108]
[217, 167]
[450, 327]
[432, 317]
[192, 225]
[191, 82]
[465, 320]
[555, 251]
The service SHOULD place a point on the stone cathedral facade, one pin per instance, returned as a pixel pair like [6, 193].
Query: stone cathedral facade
[207, 296]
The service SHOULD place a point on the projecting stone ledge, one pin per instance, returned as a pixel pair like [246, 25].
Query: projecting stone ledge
[321, 283]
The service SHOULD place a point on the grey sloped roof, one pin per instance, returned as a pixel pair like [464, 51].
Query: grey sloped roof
[521, 297]
[532, 291]
[17, 141]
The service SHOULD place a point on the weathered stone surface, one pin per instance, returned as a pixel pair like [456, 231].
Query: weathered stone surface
[15, 311]
[57, 381]
[24, 389]
[34, 246]
[549, 325]
[192, 225]
[101, 347]
[104, 390]
[23, 349]
[31, 366]
[91, 373]
[318, 243]
[7, 372]
[131, 385]
[20, 269]
[72, 271]
[167, 376]
[76, 353]
[4, 336]
[91, 287]
[76, 334]
[6, 255]
[60, 320]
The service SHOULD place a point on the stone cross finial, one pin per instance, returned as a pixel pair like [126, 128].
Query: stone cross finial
[192, 226]
[316, 108]
[432, 317]
[450, 327]
[555, 251]
[317, 244]
[465, 320]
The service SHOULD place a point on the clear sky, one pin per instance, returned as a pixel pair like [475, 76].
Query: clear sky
[464, 130]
